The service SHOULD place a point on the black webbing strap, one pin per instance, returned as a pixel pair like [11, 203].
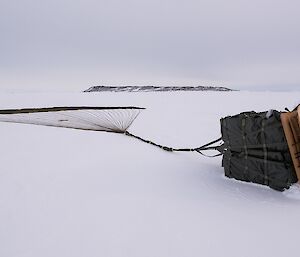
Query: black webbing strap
[207, 146]
[228, 143]
[206, 155]
[263, 139]
[219, 148]
[198, 149]
[245, 146]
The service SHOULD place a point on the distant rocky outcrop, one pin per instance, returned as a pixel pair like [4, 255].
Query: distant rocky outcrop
[153, 88]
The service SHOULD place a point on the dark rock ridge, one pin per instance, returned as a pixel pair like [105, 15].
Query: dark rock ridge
[153, 88]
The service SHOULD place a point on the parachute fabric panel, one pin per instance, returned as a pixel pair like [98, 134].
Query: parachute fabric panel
[110, 119]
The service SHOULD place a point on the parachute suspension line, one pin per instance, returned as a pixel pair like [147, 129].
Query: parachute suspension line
[166, 148]
[205, 147]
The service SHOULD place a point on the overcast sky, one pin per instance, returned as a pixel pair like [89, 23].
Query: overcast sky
[71, 45]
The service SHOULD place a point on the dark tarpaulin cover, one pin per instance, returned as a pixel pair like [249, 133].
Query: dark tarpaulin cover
[256, 150]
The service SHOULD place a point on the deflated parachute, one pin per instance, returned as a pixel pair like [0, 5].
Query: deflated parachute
[109, 119]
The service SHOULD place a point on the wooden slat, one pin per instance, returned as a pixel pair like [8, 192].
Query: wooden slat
[290, 122]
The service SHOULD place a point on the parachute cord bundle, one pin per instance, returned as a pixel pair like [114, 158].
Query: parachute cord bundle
[170, 149]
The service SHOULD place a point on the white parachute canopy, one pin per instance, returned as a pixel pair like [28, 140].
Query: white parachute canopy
[110, 119]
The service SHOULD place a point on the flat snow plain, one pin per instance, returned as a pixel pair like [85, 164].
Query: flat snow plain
[72, 193]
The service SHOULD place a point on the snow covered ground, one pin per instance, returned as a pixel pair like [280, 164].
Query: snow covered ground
[71, 193]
